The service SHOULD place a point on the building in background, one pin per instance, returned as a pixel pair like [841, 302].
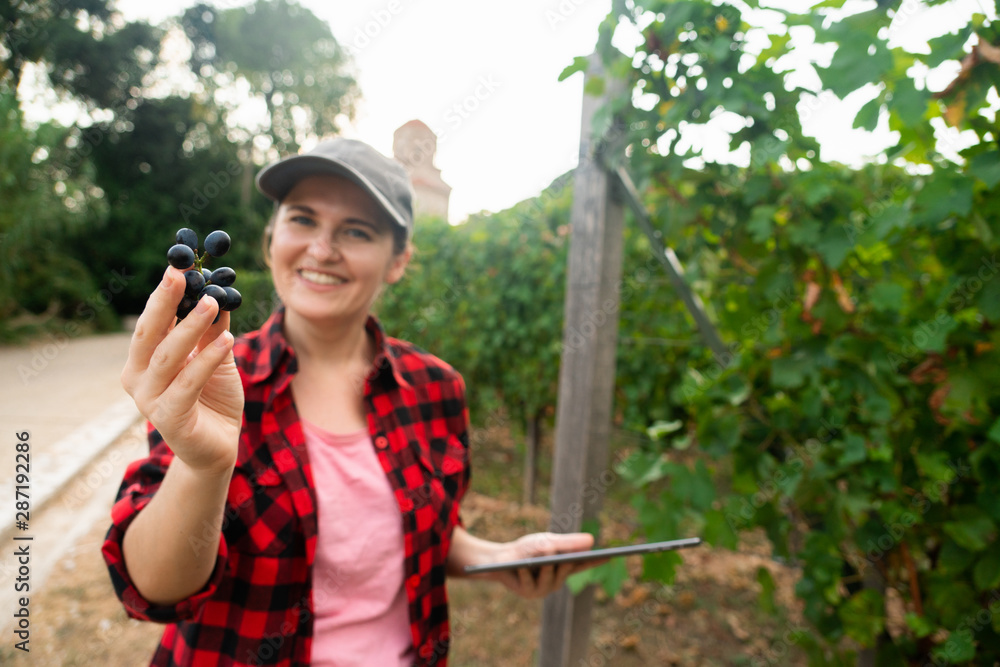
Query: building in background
[414, 145]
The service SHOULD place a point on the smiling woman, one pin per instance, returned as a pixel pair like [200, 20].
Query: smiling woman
[331, 250]
[306, 508]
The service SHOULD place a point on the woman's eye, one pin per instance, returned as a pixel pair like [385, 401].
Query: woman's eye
[358, 234]
[302, 220]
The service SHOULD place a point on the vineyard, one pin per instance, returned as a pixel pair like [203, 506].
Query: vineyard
[854, 417]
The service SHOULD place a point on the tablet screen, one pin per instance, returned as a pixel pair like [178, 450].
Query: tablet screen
[580, 556]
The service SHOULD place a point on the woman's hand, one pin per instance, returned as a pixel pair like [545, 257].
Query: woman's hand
[539, 582]
[183, 377]
[526, 582]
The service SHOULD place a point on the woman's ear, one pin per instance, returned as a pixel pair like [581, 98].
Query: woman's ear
[398, 264]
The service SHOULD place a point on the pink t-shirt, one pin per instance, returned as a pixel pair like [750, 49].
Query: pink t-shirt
[358, 595]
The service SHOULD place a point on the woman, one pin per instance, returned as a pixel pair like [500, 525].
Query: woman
[300, 501]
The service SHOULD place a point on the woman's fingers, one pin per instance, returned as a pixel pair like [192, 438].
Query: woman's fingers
[214, 331]
[561, 575]
[544, 579]
[550, 578]
[525, 581]
[172, 353]
[181, 395]
[153, 325]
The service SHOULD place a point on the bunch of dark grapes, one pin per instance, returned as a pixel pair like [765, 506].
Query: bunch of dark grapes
[217, 284]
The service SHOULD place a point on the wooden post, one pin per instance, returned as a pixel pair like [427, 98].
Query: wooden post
[586, 375]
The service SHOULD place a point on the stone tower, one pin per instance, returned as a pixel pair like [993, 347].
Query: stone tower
[414, 145]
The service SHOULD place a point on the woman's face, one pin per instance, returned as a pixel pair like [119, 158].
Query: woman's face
[332, 250]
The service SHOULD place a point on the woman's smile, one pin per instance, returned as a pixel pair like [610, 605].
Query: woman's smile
[321, 278]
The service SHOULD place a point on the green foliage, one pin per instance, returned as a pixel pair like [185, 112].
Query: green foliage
[482, 295]
[41, 285]
[91, 209]
[853, 418]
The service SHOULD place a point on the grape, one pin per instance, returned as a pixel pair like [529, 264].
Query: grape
[187, 237]
[233, 298]
[217, 293]
[195, 281]
[199, 281]
[185, 307]
[217, 243]
[180, 256]
[223, 276]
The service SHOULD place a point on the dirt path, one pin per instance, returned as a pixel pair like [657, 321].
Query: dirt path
[73, 523]
[54, 386]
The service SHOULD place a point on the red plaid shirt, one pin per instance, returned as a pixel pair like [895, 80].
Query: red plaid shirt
[256, 608]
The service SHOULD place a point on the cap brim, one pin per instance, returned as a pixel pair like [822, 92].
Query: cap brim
[277, 180]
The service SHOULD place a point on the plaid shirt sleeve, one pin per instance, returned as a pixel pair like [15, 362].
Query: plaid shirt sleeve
[142, 479]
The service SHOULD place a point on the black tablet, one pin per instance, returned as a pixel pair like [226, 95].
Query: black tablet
[580, 556]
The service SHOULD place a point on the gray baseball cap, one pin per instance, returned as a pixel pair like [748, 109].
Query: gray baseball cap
[381, 177]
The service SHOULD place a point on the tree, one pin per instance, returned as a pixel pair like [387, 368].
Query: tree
[287, 58]
[166, 161]
[89, 52]
[43, 205]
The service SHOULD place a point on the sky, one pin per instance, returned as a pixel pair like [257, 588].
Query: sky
[484, 77]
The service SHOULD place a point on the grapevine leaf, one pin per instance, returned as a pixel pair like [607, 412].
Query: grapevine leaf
[853, 450]
[580, 64]
[948, 47]
[867, 117]
[718, 531]
[971, 528]
[909, 103]
[994, 432]
[853, 65]
[986, 574]
[760, 224]
[863, 616]
[919, 624]
[986, 167]
[767, 588]
[931, 336]
[718, 436]
[594, 86]
[887, 296]
[662, 428]
[989, 301]
[958, 648]
[658, 566]
[954, 599]
[789, 372]
[953, 559]
[834, 246]
[612, 575]
[944, 195]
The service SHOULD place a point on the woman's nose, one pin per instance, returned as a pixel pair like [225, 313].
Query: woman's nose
[322, 247]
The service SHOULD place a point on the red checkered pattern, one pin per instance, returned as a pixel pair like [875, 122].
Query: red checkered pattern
[256, 608]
